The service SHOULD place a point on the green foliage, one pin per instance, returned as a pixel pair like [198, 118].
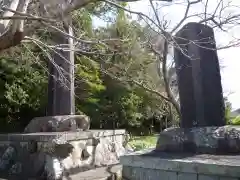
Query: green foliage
[143, 142]
[228, 109]
[23, 90]
[231, 120]
[236, 121]
[109, 102]
[82, 22]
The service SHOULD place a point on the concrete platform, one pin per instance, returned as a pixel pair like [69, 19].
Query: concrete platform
[152, 165]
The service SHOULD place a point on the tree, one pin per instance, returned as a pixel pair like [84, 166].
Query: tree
[123, 103]
[23, 88]
[109, 102]
[39, 11]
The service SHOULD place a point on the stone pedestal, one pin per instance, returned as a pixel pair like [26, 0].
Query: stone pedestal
[199, 153]
[211, 140]
[152, 165]
[58, 124]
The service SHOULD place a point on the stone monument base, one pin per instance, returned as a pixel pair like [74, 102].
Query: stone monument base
[54, 155]
[155, 165]
[60, 123]
[209, 140]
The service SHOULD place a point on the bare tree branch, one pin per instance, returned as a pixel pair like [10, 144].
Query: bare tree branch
[166, 80]
[4, 24]
[185, 15]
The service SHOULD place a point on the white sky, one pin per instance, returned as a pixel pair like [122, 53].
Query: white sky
[229, 58]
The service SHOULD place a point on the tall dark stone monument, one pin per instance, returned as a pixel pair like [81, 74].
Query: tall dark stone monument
[61, 97]
[202, 148]
[60, 116]
[202, 124]
[199, 79]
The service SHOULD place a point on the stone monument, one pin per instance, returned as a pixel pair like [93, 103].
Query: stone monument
[60, 145]
[202, 119]
[199, 79]
[61, 96]
[202, 148]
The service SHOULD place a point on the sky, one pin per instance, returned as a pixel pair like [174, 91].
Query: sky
[229, 58]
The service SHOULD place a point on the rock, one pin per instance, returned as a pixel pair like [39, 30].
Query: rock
[119, 150]
[108, 152]
[53, 168]
[58, 123]
[15, 169]
[17, 161]
[129, 149]
[63, 150]
[87, 152]
[126, 139]
[211, 140]
[7, 158]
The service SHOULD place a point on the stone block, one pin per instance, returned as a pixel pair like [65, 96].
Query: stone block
[228, 178]
[207, 177]
[135, 173]
[211, 140]
[187, 176]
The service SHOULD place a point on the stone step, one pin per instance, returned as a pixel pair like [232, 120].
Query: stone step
[103, 173]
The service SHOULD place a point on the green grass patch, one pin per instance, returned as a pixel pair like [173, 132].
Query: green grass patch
[142, 142]
[236, 121]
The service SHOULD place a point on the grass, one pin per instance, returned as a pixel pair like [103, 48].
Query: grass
[142, 142]
[236, 121]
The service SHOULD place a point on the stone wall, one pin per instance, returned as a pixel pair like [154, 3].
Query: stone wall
[152, 165]
[56, 154]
